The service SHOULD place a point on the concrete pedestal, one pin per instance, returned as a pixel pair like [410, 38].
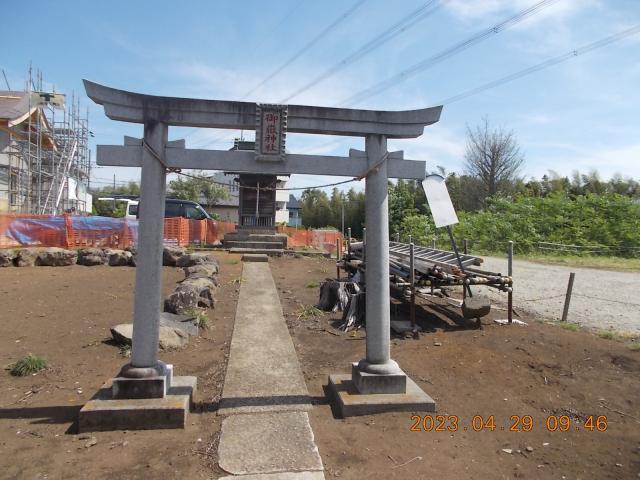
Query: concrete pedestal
[349, 402]
[367, 383]
[139, 403]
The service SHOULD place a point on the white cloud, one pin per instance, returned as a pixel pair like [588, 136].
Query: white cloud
[472, 10]
[537, 118]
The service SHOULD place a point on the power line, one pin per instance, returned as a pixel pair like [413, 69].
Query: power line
[295, 56]
[399, 27]
[447, 53]
[547, 63]
[286, 17]
[308, 46]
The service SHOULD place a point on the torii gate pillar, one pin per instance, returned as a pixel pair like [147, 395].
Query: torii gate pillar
[378, 359]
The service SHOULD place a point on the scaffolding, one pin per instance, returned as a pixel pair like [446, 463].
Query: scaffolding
[48, 160]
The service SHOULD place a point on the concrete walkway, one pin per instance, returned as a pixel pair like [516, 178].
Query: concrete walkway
[267, 434]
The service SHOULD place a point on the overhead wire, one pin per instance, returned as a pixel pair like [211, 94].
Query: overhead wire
[547, 63]
[286, 17]
[406, 22]
[346, 14]
[308, 45]
[446, 53]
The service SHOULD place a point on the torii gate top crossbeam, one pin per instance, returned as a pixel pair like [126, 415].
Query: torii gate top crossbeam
[187, 112]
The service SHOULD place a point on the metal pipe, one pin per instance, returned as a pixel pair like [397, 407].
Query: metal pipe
[510, 273]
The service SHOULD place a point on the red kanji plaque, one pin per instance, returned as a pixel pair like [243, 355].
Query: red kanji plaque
[271, 130]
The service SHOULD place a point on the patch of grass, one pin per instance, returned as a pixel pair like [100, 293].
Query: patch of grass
[601, 262]
[309, 311]
[202, 320]
[28, 365]
[233, 262]
[125, 350]
[312, 285]
[607, 334]
[572, 327]
[635, 346]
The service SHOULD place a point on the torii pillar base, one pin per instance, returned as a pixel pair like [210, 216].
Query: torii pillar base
[348, 401]
[146, 403]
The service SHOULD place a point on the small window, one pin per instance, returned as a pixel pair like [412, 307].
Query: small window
[172, 210]
[133, 209]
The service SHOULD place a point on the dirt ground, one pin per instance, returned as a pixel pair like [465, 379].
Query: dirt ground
[540, 370]
[64, 314]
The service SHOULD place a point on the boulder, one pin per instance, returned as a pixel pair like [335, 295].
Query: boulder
[191, 293]
[26, 257]
[56, 257]
[170, 337]
[476, 306]
[170, 255]
[206, 270]
[118, 258]
[6, 258]
[134, 254]
[186, 323]
[91, 256]
[198, 258]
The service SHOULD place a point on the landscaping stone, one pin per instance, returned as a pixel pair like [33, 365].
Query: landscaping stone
[170, 255]
[56, 257]
[91, 256]
[118, 258]
[191, 293]
[26, 257]
[197, 258]
[206, 270]
[6, 258]
[134, 254]
[170, 337]
[186, 323]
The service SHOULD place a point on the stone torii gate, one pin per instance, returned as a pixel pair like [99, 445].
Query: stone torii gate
[145, 376]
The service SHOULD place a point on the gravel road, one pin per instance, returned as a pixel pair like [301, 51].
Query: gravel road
[540, 289]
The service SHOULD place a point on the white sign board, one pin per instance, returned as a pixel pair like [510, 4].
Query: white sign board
[439, 201]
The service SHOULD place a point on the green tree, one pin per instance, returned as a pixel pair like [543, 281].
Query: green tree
[316, 209]
[401, 204]
[197, 188]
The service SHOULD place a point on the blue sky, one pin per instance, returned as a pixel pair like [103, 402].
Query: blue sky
[581, 114]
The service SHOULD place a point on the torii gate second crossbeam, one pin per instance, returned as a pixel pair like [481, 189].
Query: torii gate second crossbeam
[375, 374]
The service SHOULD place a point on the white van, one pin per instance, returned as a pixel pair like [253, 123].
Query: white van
[131, 210]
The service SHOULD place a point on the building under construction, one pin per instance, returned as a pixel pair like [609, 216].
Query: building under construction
[44, 154]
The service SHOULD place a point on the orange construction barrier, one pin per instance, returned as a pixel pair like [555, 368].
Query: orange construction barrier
[73, 231]
[324, 240]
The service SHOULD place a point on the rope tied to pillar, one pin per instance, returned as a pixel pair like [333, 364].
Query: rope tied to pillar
[375, 167]
[155, 155]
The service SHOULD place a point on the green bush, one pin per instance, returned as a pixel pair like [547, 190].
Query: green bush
[585, 220]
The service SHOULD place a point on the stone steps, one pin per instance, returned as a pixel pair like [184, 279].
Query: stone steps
[253, 244]
[254, 237]
[267, 251]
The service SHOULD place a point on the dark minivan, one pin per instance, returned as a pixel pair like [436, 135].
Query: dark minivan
[183, 208]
